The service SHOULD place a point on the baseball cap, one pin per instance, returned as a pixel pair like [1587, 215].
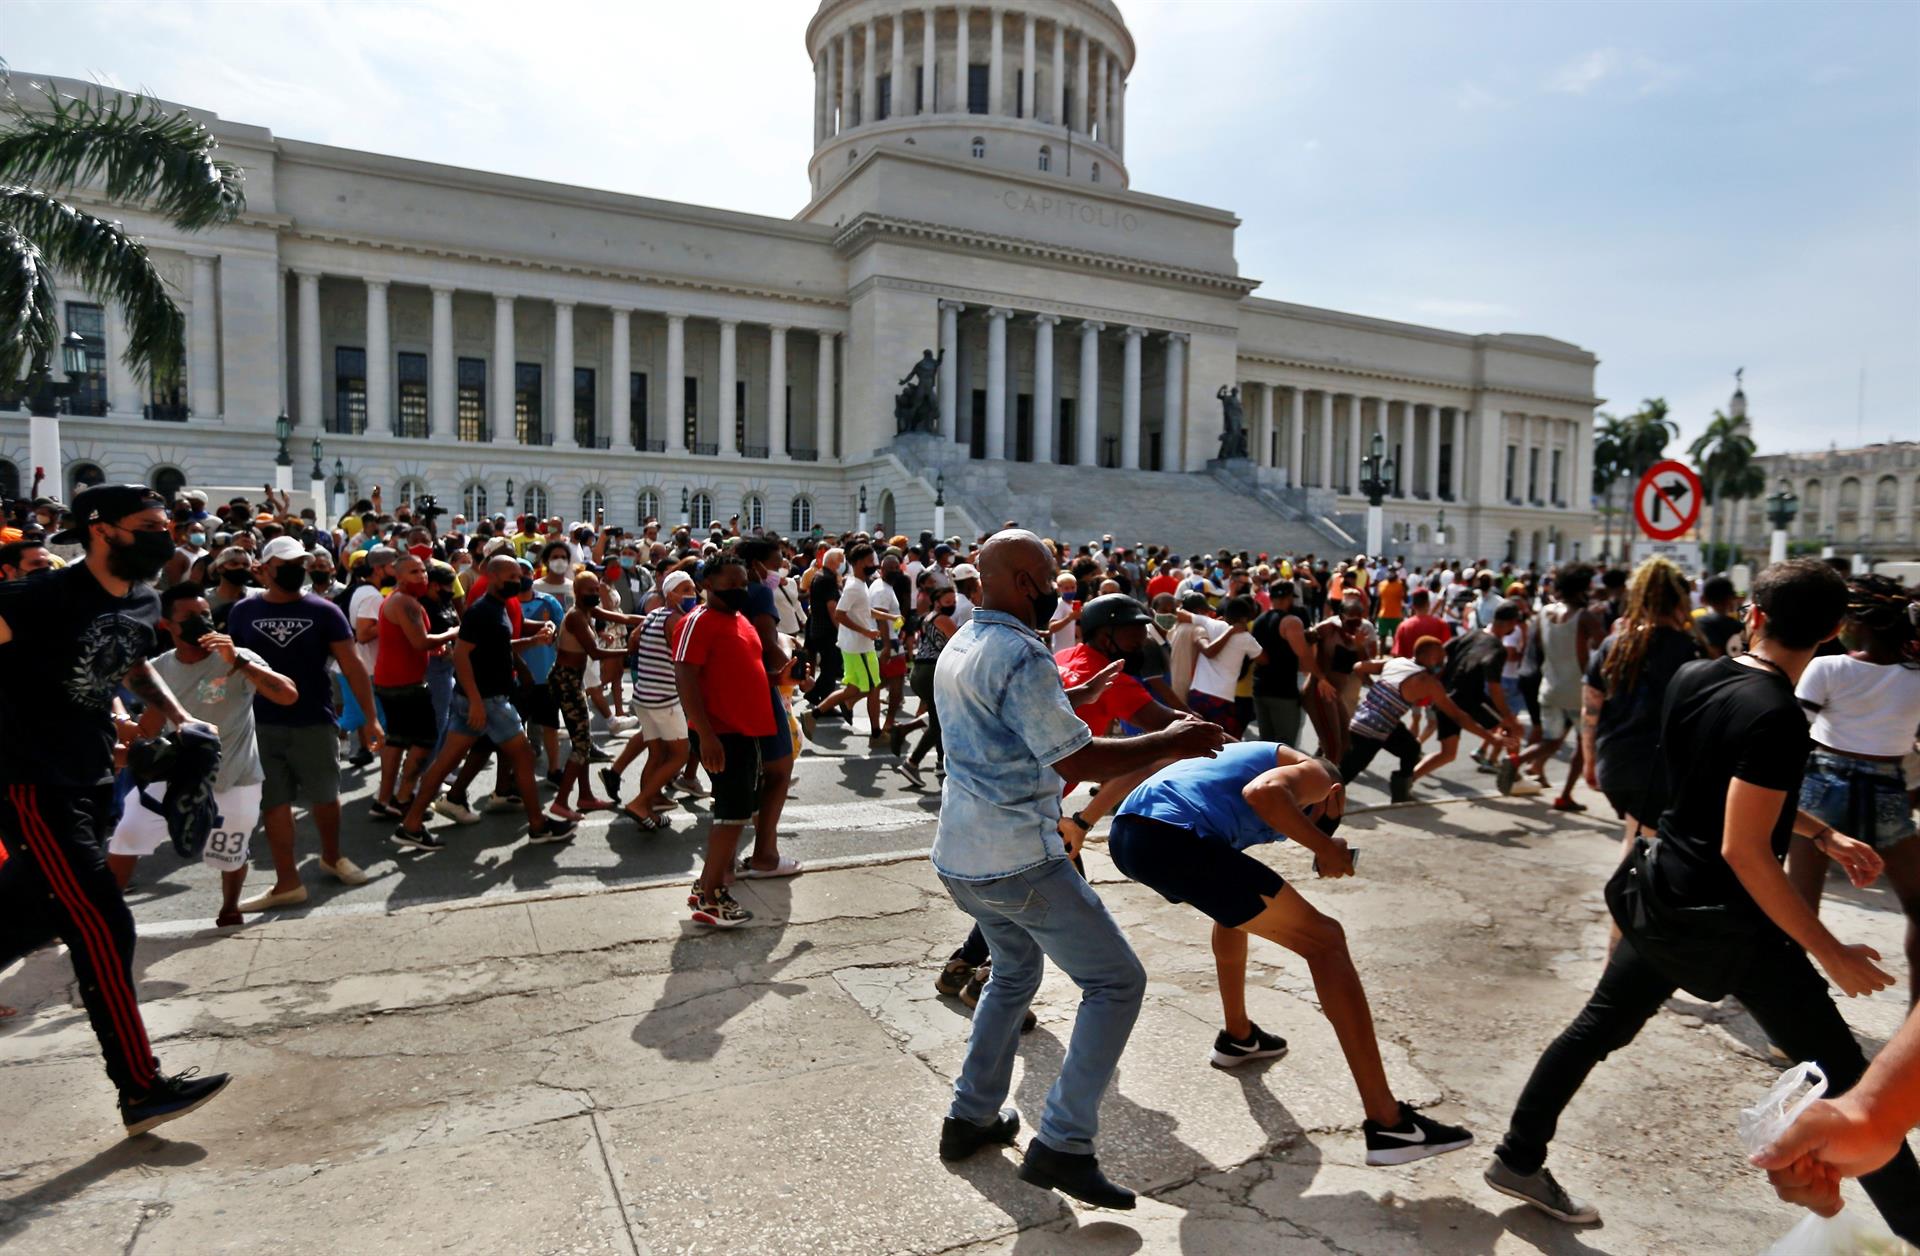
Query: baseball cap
[966, 571]
[281, 547]
[674, 580]
[104, 503]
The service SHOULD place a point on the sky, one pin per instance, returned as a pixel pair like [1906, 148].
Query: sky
[1683, 189]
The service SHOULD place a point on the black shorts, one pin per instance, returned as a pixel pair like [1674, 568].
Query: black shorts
[536, 705]
[736, 789]
[1184, 867]
[1479, 711]
[406, 713]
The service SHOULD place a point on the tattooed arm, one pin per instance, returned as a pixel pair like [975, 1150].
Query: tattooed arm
[154, 694]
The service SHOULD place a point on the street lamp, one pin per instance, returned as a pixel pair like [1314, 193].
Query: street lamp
[339, 489]
[1376, 477]
[1440, 530]
[509, 492]
[1781, 508]
[861, 525]
[686, 507]
[940, 504]
[283, 460]
[43, 397]
[317, 489]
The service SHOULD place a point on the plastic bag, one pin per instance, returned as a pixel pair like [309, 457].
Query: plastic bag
[1768, 1119]
[1852, 1231]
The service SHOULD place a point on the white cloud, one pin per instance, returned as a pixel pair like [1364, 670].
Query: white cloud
[1585, 72]
[1638, 73]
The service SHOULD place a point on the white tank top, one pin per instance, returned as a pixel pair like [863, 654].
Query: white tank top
[1560, 678]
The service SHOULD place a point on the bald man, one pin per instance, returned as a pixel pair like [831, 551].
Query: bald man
[1010, 741]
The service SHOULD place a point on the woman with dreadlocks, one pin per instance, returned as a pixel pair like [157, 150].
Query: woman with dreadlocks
[1866, 706]
[1626, 680]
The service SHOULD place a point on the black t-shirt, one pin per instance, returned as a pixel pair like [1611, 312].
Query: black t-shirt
[487, 626]
[1725, 721]
[1279, 676]
[822, 593]
[1718, 629]
[1627, 735]
[1474, 663]
[72, 645]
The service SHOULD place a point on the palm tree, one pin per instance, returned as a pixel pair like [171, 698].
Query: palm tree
[1724, 453]
[129, 150]
[1648, 432]
[1609, 447]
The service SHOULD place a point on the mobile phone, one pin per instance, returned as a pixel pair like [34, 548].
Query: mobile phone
[1353, 857]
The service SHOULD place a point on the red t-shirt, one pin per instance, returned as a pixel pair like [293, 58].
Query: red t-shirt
[1124, 695]
[1411, 630]
[726, 649]
[1162, 583]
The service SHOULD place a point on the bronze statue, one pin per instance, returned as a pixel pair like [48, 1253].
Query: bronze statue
[917, 408]
[1233, 434]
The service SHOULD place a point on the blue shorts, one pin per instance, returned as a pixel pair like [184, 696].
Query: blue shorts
[779, 745]
[1859, 797]
[502, 725]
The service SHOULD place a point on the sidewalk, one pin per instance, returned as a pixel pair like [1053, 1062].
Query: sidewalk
[584, 1074]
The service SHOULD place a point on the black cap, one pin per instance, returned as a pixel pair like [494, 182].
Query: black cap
[1112, 610]
[106, 503]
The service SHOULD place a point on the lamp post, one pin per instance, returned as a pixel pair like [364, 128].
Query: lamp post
[1376, 477]
[339, 489]
[1826, 542]
[42, 396]
[317, 490]
[686, 507]
[940, 504]
[1440, 532]
[861, 525]
[509, 492]
[1781, 508]
[283, 460]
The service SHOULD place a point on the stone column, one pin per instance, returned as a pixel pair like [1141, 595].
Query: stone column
[1119, 108]
[870, 74]
[1460, 455]
[1087, 408]
[440, 381]
[379, 360]
[1263, 448]
[123, 386]
[1130, 397]
[1044, 420]
[996, 444]
[1097, 87]
[309, 308]
[729, 388]
[1112, 100]
[500, 393]
[1434, 424]
[562, 422]
[674, 387]
[1057, 85]
[843, 57]
[899, 89]
[996, 61]
[203, 344]
[1580, 493]
[1402, 460]
[819, 98]
[1029, 79]
[1080, 84]
[1326, 440]
[962, 57]
[776, 394]
[1297, 453]
[1173, 420]
[929, 65]
[823, 395]
[949, 368]
[1350, 477]
[619, 389]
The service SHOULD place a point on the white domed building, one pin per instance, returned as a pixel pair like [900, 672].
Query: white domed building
[518, 346]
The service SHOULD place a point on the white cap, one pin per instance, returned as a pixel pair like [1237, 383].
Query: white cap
[965, 571]
[674, 580]
[282, 547]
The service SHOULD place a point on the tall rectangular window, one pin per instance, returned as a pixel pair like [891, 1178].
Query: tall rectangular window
[1066, 106]
[977, 424]
[349, 390]
[883, 88]
[740, 414]
[1533, 476]
[90, 390]
[470, 406]
[1023, 427]
[1446, 472]
[637, 408]
[527, 426]
[1063, 446]
[690, 410]
[976, 89]
[920, 93]
[411, 419]
[1019, 95]
[1553, 481]
[583, 407]
[166, 403]
[1513, 470]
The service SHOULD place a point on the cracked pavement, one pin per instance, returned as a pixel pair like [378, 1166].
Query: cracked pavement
[582, 1073]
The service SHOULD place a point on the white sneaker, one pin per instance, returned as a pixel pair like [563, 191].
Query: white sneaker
[1524, 788]
[345, 871]
[454, 811]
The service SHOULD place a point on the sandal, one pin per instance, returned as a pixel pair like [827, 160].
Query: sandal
[597, 804]
[787, 867]
[565, 813]
[648, 823]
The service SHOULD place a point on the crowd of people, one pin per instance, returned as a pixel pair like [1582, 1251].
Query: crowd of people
[1744, 746]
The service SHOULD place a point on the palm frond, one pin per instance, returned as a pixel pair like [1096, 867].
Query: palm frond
[106, 261]
[27, 325]
[136, 151]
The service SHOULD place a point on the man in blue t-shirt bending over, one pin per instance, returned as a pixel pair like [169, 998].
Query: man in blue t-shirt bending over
[1184, 832]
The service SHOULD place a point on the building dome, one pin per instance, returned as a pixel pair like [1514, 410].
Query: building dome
[1037, 86]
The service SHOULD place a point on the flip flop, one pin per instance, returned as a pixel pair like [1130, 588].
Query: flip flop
[597, 804]
[787, 867]
[647, 823]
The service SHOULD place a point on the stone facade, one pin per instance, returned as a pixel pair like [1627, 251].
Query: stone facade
[453, 331]
[1860, 501]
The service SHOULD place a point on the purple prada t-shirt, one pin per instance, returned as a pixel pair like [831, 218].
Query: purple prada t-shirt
[296, 639]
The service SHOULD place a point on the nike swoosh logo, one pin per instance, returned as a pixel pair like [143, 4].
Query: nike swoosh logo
[1418, 1135]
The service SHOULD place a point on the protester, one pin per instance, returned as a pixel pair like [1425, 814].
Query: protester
[662, 731]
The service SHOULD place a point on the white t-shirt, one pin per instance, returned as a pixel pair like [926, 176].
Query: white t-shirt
[962, 609]
[1864, 708]
[1067, 635]
[1218, 676]
[365, 605]
[885, 606]
[854, 604]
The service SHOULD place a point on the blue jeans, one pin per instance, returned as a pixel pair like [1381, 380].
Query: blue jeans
[1048, 910]
[440, 685]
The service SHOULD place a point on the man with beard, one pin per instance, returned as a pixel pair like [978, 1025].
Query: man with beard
[68, 640]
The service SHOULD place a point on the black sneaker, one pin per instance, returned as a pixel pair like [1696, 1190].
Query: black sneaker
[1230, 1052]
[597, 755]
[385, 811]
[610, 781]
[717, 910]
[169, 1099]
[1415, 1138]
[1072, 1174]
[360, 758]
[960, 1139]
[911, 770]
[416, 839]
[1400, 786]
[1539, 1189]
[555, 830]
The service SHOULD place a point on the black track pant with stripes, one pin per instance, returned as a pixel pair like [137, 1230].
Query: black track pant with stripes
[55, 884]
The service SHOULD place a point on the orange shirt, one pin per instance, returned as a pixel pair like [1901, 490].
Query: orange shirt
[1393, 598]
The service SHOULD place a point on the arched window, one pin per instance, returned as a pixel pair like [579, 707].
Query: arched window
[410, 491]
[801, 517]
[1810, 507]
[649, 504]
[473, 501]
[1046, 158]
[700, 511]
[1096, 172]
[979, 146]
[753, 513]
[1886, 494]
[167, 481]
[9, 480]
[534, 501]
[887, 517]
[1425, 534]
[593, 503]
[84, 475]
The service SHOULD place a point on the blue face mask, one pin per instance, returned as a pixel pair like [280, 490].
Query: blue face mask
[623, 561]
[197, 539]
[688, 603]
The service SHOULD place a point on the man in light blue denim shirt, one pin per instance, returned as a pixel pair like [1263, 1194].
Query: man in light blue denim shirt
[1011, 736]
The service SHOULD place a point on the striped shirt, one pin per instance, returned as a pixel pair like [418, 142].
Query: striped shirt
[1383, 704]
[653, 686]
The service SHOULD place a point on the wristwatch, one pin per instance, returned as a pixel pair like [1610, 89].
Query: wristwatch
[1080, 819]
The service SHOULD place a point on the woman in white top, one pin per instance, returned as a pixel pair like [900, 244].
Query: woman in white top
[1866, 707]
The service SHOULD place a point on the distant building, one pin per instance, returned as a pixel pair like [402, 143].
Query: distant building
[1860, 501]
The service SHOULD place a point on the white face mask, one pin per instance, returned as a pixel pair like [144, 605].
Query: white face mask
[558, 567]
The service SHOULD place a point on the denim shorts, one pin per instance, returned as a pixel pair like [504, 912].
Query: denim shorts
[1860, 798]
[503, 722]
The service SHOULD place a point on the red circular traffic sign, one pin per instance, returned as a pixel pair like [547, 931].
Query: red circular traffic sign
[1667, 500]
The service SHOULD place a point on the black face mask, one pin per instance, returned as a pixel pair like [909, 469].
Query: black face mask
[732, 599]
[388, 581]
[237, 575]
[194, 629]
[1044, 604]
[290, 577]
[141, 558]
[948, 608]
[508, 589]
[322, 580]
[587, 601]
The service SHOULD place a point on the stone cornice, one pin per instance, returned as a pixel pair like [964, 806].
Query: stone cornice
[1360, 372]
[1024, 304]
[1506, 342]
[867, 228]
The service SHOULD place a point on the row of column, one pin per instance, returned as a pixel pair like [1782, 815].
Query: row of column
[1087, 405]
[1396, 429]
[853, 56]
[1545, 436]
[560, 420]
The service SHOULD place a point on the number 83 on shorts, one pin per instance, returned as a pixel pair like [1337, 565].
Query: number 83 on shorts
[141, 832]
